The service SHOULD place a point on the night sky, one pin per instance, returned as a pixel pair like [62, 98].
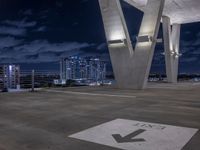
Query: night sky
[37, 33]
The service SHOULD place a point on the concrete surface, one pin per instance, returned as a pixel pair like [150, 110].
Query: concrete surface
[43, 120]
[179, 11]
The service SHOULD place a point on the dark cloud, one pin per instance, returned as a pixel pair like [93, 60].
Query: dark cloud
[102, 46]
[20, 24]
[6, 42]
[41, 29]
[84, 1]
[28, 12]
[39, 51]
[59, 4]
[14, 31]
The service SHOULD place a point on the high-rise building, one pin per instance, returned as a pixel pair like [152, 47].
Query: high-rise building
[10, 76]
[82, 68]
[1, 78]
[97, 69]
[63, 68]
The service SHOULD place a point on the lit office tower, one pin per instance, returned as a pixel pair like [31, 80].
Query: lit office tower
[69, 70]
[63, 68]
[97, 69]
[76, 68]
[1, 78]
[10, 75]
[83, 68]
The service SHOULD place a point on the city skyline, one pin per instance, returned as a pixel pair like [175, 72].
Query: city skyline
[78, 68]
[40, 33]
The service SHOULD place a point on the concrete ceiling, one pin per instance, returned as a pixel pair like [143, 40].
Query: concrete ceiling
[179, 11]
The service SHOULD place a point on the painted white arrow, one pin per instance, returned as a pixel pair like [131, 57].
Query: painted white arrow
[129, 138]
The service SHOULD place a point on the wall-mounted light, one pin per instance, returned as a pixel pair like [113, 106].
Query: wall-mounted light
[177, 55]
[145, 38]
[117, 42]
[172, 53]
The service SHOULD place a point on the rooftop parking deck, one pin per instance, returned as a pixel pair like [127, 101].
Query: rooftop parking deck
[43, 120]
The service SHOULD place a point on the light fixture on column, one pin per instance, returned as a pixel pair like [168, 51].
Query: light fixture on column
[177, 55]
[172, 53]
[144, 38]
[118, 42]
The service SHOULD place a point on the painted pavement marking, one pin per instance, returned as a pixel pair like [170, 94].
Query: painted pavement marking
[91, 94]
[136, 135]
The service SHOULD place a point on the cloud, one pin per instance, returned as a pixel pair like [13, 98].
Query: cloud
[59, 4]
[41, 29]
[6, 42]
[75, 24]
[188, 59]
[102, 46]
[41, 51]
[20, 24]
[28, 12]
[84, 1]
[14, 31]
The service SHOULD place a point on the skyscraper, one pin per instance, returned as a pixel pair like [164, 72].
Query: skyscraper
[63, 68]
[10, 76]
[1, 78]
[82, 68]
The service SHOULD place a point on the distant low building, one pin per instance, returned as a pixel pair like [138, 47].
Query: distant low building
[10, 76]
[59, 82]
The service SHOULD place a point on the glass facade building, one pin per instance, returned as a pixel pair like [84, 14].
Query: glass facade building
[73, 68]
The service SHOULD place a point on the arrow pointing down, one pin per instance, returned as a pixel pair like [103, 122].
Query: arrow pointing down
[129, 138]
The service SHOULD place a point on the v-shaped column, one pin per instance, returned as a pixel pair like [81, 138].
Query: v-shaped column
[171, 36]
[131, 67]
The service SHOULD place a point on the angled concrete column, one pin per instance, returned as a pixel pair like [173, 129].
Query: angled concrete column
[171, 45]
[176, 47]
[144, 49]
[119, 43]
[168, 48]
[131, 67]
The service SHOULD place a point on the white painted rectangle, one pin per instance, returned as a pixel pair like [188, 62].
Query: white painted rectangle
[136, 135]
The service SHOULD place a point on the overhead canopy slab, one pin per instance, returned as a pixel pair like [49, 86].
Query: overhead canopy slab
[179, 11]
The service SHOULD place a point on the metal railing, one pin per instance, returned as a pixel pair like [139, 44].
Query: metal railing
[37, 79]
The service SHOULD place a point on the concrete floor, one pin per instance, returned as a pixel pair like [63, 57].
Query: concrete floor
[43, 120]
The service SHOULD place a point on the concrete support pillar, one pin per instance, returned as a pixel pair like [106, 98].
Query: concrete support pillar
[131, 67]
[119, 43]
[176, 28]
[171, 35]
[147, 39]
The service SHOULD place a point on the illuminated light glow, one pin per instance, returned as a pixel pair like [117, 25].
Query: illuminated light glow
[177, 55]
[117, 35]
[144, 44]
[172, 52]
[10, 69]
